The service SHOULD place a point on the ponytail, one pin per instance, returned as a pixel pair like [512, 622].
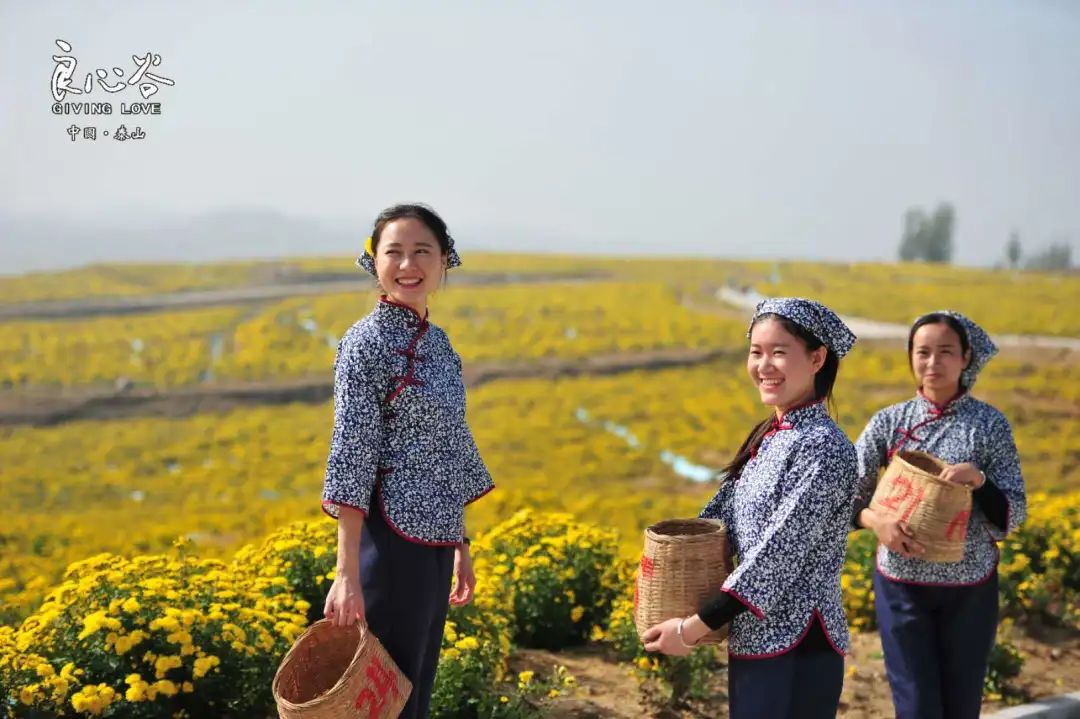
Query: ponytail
[748, 449]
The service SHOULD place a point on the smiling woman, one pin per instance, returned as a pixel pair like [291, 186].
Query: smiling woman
[409, 252]
[412, 251]
[784, 500]
[403, 463]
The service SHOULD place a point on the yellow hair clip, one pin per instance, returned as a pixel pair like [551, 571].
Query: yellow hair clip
[368, 247]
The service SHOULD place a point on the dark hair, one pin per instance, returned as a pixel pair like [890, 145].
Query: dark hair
[423, 213]
[939, 318]
[824, 381]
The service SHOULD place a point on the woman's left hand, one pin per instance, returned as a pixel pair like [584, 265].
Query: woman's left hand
[464, 578]
[664, 638]
[966, 474]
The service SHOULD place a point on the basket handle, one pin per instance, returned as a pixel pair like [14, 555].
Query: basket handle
[361, 626]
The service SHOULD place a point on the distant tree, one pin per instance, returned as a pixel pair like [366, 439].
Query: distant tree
[913, 243]
[928, 239]
[1055, 258]
[939, 245]
[1014, 251]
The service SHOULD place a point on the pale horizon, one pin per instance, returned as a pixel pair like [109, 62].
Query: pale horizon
[773, 131]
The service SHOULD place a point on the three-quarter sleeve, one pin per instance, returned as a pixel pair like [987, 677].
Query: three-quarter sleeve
[993, 504]
[719, 507]
[478, 480]
[821, 487]
[720, 610]
[353, 461]
[872, 453]
[1001, 465]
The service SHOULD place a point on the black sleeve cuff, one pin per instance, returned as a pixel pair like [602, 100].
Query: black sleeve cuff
[993, 503]
[720, 610]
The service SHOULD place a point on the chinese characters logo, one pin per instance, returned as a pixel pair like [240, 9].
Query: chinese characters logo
[144, 76]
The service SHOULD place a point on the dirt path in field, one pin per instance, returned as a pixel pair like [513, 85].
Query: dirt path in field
[44, 408]
[97, 306]
[309, 285]
[868, 329]
[607, 689]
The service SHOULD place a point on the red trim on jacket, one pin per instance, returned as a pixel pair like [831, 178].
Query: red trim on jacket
[341, 504]
[386, 299]
[780, 425]
[482, 494]
[743, 600]
[815, 615]
[982, 580]
[409, 379]
[937, 412]
[397, 530]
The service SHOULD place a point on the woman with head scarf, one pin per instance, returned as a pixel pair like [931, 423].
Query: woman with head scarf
[938, 620]
[786, 501]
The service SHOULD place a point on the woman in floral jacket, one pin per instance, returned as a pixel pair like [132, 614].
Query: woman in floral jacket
[402, 463]
[786, 500]
[937, 619]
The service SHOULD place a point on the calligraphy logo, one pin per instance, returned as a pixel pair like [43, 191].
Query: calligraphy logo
[144, 77]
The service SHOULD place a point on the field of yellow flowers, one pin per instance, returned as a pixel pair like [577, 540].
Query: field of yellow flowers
[616, 451]
[1007, 301]
[643, 304]
[625, 447]
[1004, 301]
[223, 556]
[170, 634]
[135, 279]
[297, 337]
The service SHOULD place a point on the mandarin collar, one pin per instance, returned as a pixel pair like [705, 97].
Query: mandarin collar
[935, 408]
[804, 413]
[399, 313]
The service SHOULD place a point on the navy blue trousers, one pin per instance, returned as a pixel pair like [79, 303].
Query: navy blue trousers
[803, 683]
[937, 642]
[406, 596]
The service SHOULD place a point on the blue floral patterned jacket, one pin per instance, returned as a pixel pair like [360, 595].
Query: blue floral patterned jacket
[399, 428]
[787, 516]
[964, 430]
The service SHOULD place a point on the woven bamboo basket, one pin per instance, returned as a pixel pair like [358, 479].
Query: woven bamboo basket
[339, 673]
[935, 510]
[684, 564]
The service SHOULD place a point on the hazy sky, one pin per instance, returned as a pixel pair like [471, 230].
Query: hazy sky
[764, 128]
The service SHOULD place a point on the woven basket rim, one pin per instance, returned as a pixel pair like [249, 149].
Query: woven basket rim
[710, 529]
[900, 457]
[339, 686]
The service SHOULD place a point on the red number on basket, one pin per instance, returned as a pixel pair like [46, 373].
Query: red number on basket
[919, 494]
[958, 525]
[902, 497]
[901, 491]
[647, 566]
[384, 682]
